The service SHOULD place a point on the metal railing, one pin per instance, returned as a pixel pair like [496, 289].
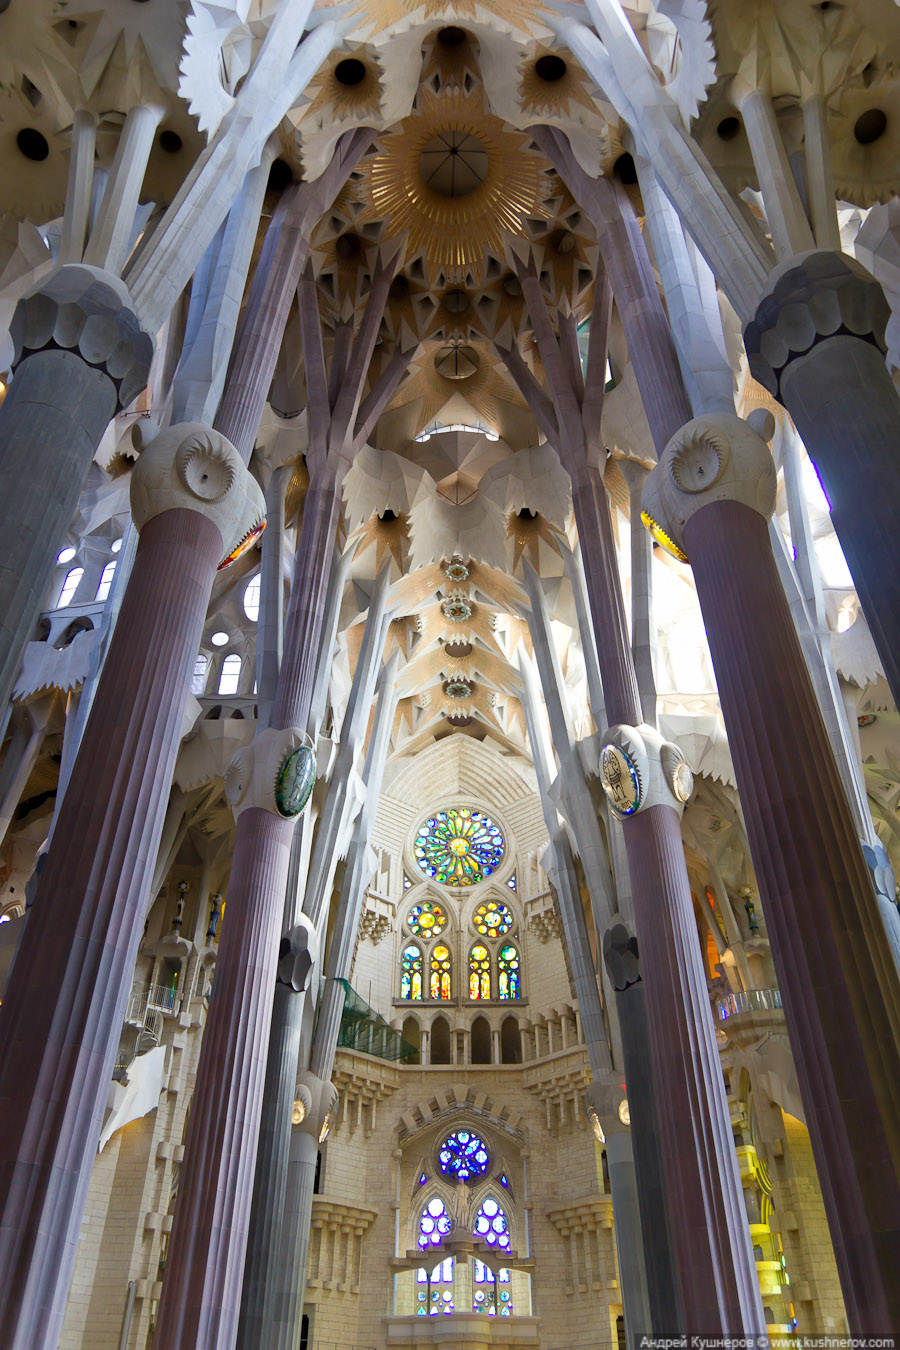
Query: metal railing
[748, 1000]
[156, 998]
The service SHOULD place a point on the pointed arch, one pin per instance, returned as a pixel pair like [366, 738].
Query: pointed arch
[481, 1041]
[411, 971]
[439, 971]
[440, 1041]
[479, 972]
[508, 971]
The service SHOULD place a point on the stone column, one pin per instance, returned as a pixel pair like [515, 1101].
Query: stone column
[297, 964]
[201, 1297]
[620, 955]
[816, 343]
[62, 1015]
[80, 357]
[710, 1238]
[712, 493]
[201, 1294]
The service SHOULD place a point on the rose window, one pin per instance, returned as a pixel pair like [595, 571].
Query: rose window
[459, 847]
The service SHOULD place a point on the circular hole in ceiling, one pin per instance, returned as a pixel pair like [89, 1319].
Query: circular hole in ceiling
[280, 175]
[526, 513]
[870, 126]
[350, 71]
[624, 170]
[512, 286]
[457, 651]
[550, 68]
[460, 721]
[170, 141]
[453, 163]
[451, 36]
[728, 128]
[32, 144]
[348, 245]
[387, 515]
[456, 362]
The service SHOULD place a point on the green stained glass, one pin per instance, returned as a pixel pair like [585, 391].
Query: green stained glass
[508, 971]
[459, 847]
[411, 972]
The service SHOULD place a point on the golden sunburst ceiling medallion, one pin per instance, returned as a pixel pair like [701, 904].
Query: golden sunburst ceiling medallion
[457, 180]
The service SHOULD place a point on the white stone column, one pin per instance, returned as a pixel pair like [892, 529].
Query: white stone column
[111, 236]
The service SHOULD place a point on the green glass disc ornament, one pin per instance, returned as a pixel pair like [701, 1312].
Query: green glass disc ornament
[295, 782]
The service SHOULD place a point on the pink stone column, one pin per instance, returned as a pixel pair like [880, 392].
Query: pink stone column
[717, 1281]
[201, 1296]
[62, 1014]
[835, 971]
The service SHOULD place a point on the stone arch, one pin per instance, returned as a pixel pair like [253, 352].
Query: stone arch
[481, 1041]
[510, 1041]
[439, 1048]
[412, 1032]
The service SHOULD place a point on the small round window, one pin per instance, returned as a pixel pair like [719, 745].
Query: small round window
[464, 1155]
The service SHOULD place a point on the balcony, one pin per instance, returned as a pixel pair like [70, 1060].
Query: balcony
[747, 1001]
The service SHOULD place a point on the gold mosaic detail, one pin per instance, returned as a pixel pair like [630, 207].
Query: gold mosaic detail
[455, 231]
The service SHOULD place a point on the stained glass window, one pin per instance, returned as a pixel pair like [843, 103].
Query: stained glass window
[512, 882]
[434, 1287]
[411, 972]
[491, 1226]
[464, 1155]
[479, 972]
[459, 847]
[426, 920]
[508, 971]
[440, 972]
[493, 919]
[491, 1296]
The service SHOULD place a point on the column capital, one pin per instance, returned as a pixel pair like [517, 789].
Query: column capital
[190, 467]
[298, 956]
[639, 769]
[606, 1107]
[275, 772]
[315, 1105]
[810, 298]
[716, 458]
[87, 311]
[620, 954]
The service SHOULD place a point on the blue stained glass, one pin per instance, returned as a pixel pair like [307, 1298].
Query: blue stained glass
[464, 1155]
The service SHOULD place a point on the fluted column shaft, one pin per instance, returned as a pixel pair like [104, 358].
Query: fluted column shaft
[711, 1241]
[201, 1297]
[713, 1257]
[835, 971]
[62, 1014]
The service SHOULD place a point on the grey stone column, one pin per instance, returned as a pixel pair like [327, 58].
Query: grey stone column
[620, 955]
[817, 343]
[62, 1014]
[80, 357]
